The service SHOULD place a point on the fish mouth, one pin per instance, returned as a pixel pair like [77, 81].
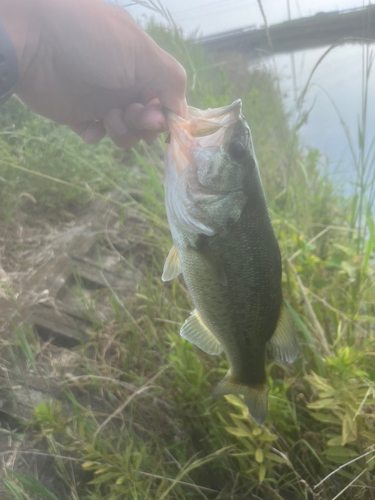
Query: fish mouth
[201, 130]
[201, 123]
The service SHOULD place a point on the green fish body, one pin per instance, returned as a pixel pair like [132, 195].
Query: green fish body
[226, 249]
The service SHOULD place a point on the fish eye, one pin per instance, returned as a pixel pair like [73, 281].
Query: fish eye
[237, 151]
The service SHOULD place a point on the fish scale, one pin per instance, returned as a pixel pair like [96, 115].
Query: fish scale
[226, 249]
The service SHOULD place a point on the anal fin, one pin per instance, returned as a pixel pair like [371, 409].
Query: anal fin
[255, 397]
[172, 266]
[196, 332]
[283, 345]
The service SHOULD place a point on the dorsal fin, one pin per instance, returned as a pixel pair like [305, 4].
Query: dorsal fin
[283, 345]
[172, 266]
[196, 332]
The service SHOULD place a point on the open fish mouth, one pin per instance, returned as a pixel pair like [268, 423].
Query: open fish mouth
[201, 130]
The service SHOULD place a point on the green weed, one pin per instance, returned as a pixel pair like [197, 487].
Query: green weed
[137, 418]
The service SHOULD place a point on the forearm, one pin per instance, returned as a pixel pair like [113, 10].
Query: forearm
[88, 65]
[30, 23]
[21, 19]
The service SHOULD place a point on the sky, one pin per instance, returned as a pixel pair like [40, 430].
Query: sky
[339, 75]
[216, 16]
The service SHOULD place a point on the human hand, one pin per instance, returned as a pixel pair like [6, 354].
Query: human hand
[88, 65]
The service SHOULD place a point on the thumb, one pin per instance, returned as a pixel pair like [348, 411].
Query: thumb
[168, 79]
[169, 100]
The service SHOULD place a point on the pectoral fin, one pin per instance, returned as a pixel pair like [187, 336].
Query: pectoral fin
[283, 345]
[213, 266]
[196, 332]
[172, 266]
[255, 397]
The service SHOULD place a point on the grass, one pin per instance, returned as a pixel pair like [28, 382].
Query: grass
[136, 420]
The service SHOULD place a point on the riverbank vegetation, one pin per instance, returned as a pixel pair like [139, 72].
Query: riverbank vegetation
[165, 438]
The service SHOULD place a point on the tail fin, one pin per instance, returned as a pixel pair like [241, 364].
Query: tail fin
[255, 397]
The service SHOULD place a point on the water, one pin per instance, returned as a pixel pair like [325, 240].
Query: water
[340, 76]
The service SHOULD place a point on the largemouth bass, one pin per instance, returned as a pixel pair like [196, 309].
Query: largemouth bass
[226, 250]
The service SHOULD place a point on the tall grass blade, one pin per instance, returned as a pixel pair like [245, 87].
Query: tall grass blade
[370, 243]
[34, 486]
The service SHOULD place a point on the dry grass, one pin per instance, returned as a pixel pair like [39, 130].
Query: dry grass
[128, 414]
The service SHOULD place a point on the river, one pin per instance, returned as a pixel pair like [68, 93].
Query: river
[339, 76]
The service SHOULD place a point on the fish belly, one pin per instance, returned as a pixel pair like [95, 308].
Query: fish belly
[242, 314]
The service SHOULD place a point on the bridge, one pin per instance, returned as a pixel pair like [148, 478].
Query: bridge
[325, 28]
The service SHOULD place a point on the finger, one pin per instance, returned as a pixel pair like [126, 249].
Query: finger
[146, 96]
[144, 119]
[153, 117]
[173, 103]
[120, 133]
[149, 136]
[90, 132]
[184, 109]
[173, 95]
[167, 78]
[126, 129]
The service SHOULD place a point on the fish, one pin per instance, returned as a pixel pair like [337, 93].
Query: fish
[225, 247]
